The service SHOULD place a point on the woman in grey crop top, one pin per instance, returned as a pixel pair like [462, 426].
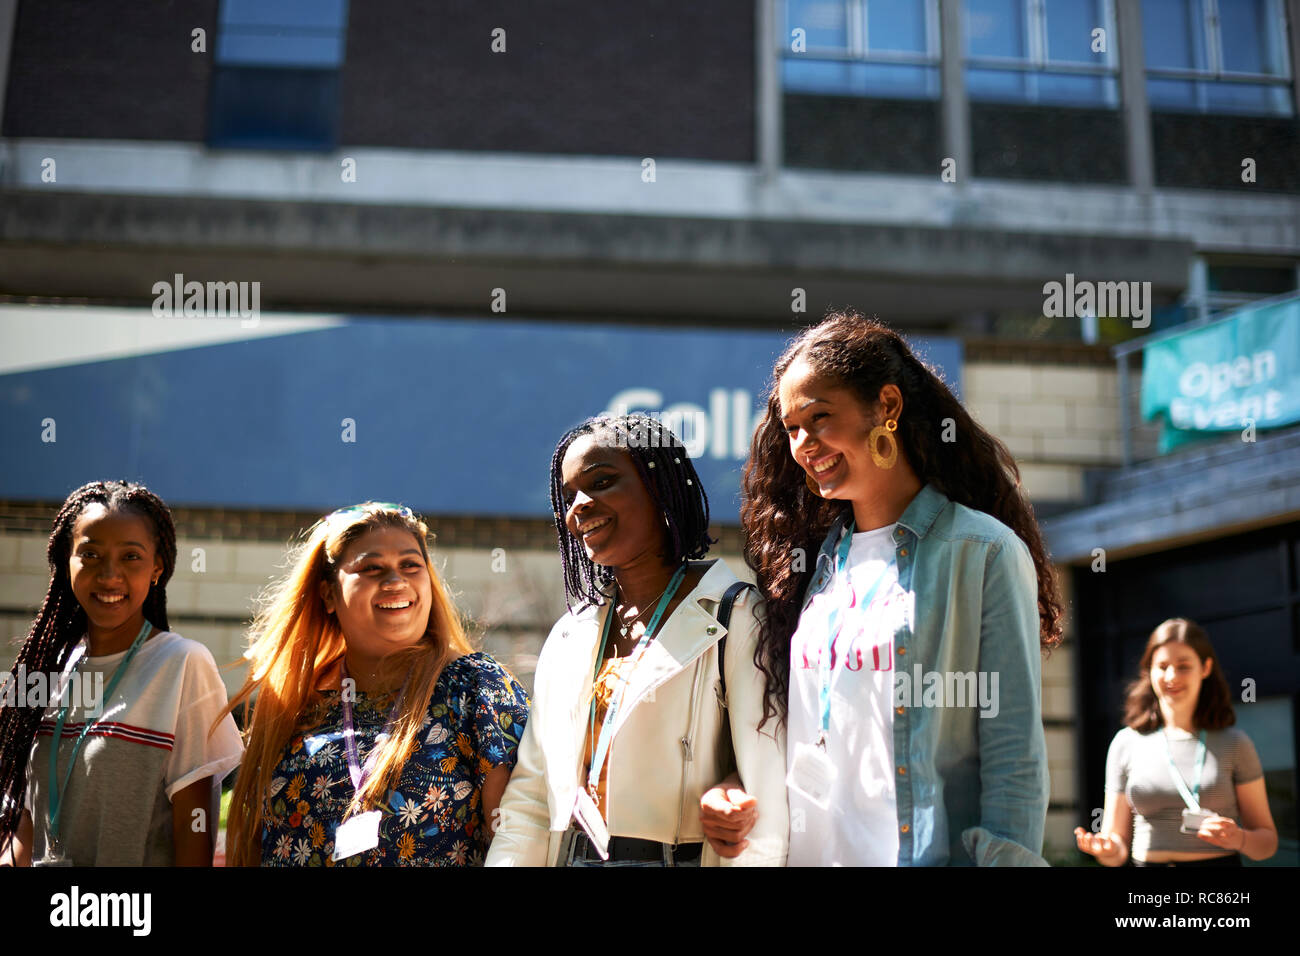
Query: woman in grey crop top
[1183, 786]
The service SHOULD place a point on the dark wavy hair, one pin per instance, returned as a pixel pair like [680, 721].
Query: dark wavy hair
[1213, 703]
[780, 514]
[667, 473]
[61, 622]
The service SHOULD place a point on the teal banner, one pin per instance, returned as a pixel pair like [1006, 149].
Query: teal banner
[1240, 371]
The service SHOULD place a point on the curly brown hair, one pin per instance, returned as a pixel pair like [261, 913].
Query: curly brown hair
[780, 514]
[1213, 703]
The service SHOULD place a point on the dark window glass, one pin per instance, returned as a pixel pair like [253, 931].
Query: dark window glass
[1173, 34]
[895, 25]
[1225, 57]
[868, 48]
[1041, 51]
[276, 82]
[824, 23]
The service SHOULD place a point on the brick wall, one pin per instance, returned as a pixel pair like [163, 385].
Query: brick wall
[1062, 733]
[1057, 420]
[511, 595]
[110, 70]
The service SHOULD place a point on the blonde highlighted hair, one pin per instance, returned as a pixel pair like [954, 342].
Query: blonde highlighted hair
[295, 642]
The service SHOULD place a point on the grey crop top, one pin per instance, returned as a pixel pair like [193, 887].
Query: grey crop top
[1137, 767]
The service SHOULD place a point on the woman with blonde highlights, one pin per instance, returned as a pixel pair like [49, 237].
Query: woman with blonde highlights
[360, 643]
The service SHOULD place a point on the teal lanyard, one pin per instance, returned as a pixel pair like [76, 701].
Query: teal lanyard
[1190, 797]
[616, 699]
[834, 624]
[55, 801]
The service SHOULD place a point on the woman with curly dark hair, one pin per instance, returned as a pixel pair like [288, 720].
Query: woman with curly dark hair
[1179, 776]
[909, 598]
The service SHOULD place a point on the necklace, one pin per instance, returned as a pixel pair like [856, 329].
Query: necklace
[625, 625]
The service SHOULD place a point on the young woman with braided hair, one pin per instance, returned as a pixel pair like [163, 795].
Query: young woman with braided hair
[909, 597]
[142, 791]
[645, 692]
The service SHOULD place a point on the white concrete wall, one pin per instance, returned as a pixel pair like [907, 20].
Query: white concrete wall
[1267, 224]
[512, 609]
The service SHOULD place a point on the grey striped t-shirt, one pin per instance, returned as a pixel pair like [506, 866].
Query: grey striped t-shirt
[1137, 767]
[152, 738]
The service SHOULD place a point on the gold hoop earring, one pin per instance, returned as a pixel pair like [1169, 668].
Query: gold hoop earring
[812, 485]
[890, 458]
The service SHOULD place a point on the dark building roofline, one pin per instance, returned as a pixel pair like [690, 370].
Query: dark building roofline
[1197, 494]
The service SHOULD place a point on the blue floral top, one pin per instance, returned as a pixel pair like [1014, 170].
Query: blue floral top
[434, 817]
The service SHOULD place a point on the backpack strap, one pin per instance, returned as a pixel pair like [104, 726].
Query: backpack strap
[724, 618]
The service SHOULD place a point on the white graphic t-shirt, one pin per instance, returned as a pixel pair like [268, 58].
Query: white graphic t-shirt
[859, 827]
[153, 737]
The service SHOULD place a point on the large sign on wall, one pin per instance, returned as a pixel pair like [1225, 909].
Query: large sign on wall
[450, 416]
[1228, 376]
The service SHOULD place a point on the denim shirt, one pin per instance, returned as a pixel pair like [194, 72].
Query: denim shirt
[972, 785]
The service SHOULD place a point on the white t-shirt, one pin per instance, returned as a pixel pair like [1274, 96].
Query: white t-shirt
[859, 827]
[149, 740]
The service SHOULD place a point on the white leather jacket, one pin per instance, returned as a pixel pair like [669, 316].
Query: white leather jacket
[670, 743]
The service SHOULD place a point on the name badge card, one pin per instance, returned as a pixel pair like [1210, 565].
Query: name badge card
[357, 835]
[587, 814]
[812, 774]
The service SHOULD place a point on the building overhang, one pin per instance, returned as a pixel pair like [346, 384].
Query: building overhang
[1194, 495]
[327, 256]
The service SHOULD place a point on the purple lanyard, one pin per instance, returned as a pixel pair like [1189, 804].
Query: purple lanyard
[356, 770]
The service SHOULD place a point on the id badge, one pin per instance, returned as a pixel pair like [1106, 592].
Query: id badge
[1192, 820]
[587, 815]
[356, 835]
[812, 774]
[54, 855]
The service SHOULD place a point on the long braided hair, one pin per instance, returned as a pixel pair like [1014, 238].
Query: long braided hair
[666, 471]
[780, 515]
[61, 623]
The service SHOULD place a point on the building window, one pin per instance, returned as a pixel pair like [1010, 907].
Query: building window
[873, 48]
[276, 80]
[1217, 56]
[1059, 52]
